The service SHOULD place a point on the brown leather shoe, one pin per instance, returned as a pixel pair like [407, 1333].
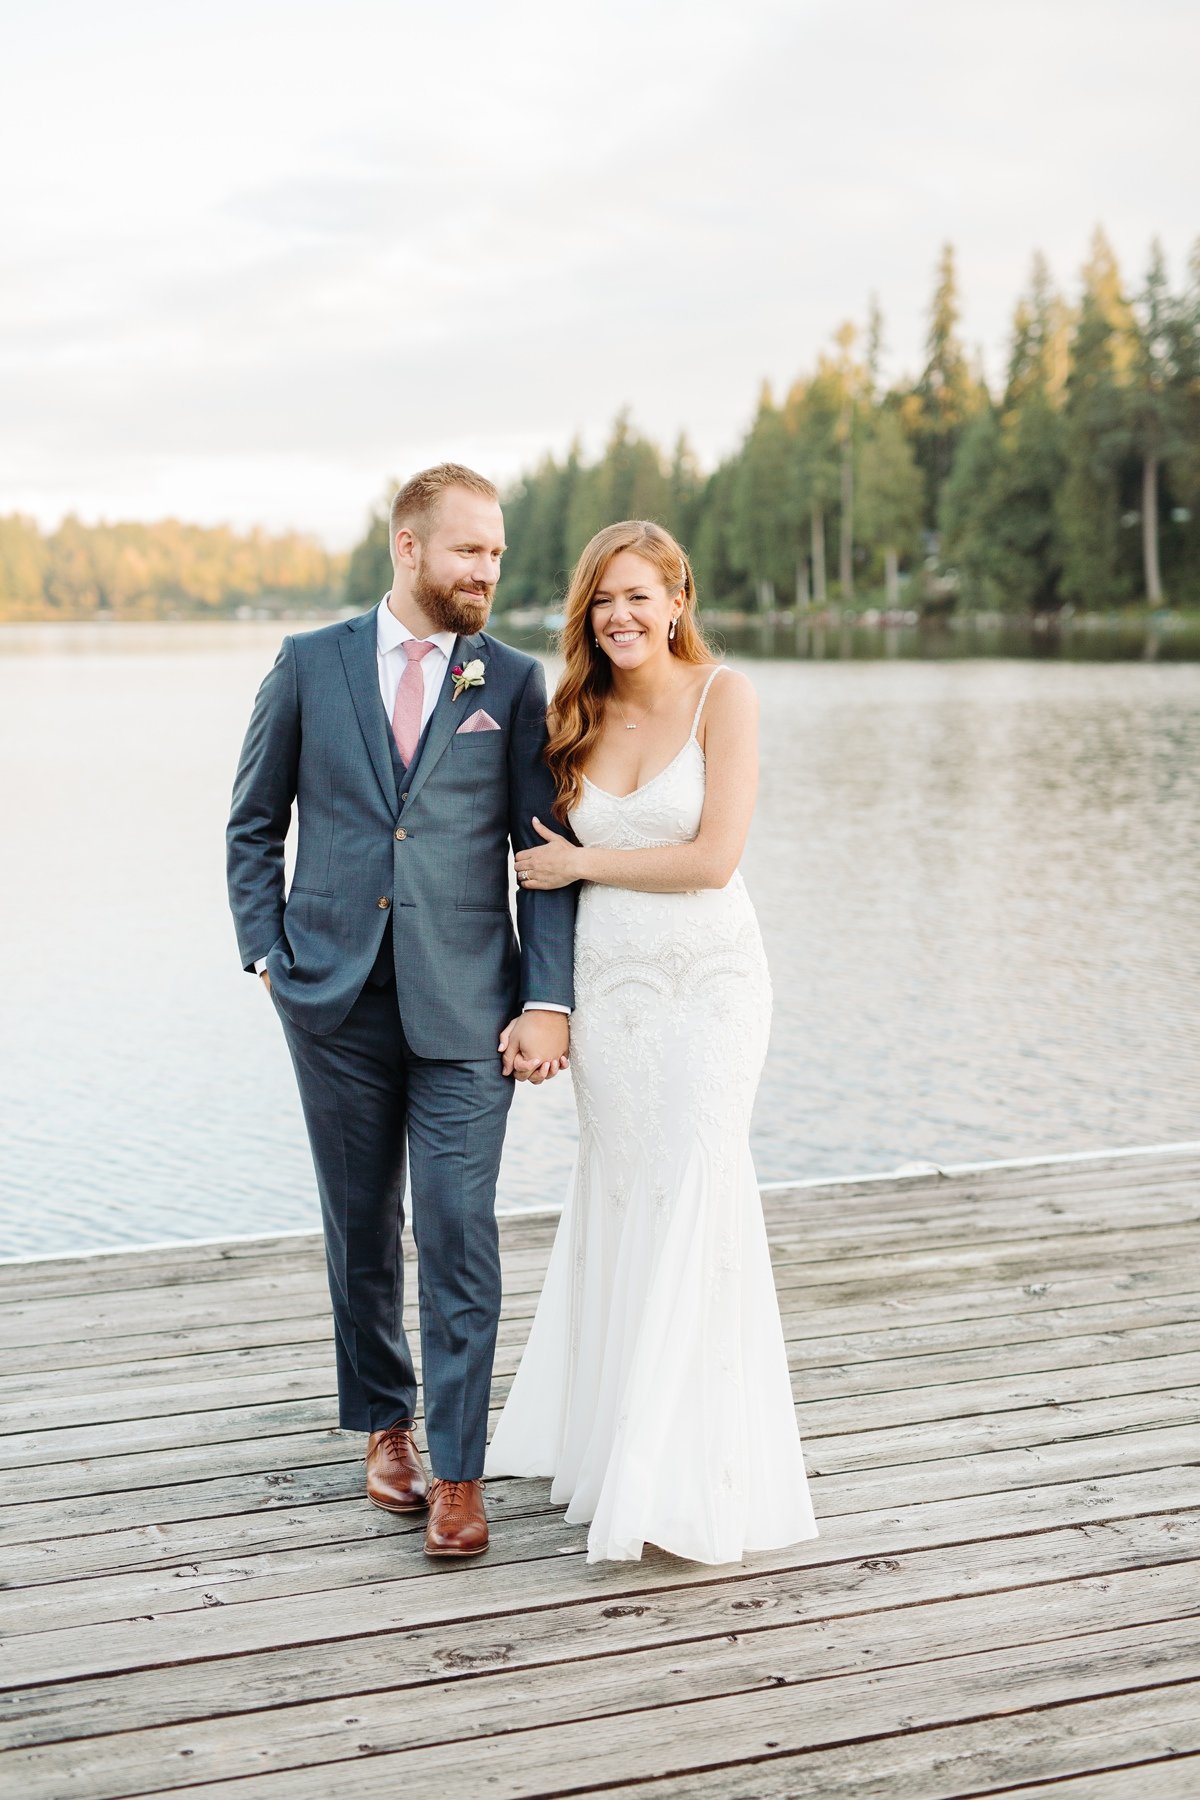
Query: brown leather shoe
[395, 1474]
[457, 1522]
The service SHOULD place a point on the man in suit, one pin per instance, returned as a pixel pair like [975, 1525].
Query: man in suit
[411, 744]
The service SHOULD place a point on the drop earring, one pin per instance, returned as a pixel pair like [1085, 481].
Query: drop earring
[671, 633]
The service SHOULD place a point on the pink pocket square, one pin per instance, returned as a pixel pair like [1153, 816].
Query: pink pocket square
[478, 721]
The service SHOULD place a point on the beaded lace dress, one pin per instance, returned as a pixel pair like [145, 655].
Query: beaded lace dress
[654, 1386]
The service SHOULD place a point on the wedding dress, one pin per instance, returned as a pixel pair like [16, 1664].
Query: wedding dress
[654, 1386]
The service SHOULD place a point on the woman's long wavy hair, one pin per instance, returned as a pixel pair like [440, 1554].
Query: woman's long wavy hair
[577, 710]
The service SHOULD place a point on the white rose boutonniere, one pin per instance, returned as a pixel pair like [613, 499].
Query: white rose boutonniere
[466, 675]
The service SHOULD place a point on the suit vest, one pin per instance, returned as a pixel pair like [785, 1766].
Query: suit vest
[383, 969]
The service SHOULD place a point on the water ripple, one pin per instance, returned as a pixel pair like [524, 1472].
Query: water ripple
[976, 882]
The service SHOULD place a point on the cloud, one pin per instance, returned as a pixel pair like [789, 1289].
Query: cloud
[330, 248]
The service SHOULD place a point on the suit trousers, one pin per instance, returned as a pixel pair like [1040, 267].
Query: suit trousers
[371, 1105]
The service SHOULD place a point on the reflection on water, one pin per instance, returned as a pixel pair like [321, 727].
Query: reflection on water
[976, 880]
[834, 636]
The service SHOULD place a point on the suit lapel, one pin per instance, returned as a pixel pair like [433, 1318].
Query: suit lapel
[362, 673]
[447, 717]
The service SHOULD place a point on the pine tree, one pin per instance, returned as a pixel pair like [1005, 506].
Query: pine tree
[685, 487]
[946, 393]
[764, 521]
[966, 516]
[853, 380]
[718, 581]
[1100, 475]
[369, 571]
[1025, 484]
[891, 497]
[1158, 404]
[628, 482]
[813, 412]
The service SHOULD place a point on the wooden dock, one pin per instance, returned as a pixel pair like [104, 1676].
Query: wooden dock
[997, 1371]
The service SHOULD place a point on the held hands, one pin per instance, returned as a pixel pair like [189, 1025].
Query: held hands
[554, 864]
[534, 1047]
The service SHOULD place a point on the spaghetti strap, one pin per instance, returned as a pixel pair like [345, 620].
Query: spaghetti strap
[703, 697]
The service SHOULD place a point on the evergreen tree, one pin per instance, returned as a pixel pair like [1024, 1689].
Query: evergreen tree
[814, 410]
[1184, 525]
[1158, 404]
[966, 517]
[537, 564]
[764, 525]
[1029, 474]
[1038, 358]
[1099, 478]
[946, 394]
[685, 490]
[852, 380]
[369, 571]
[891, 497]
[628, 482]
[718, 581]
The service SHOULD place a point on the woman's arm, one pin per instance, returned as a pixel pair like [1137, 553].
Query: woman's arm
[709, 861]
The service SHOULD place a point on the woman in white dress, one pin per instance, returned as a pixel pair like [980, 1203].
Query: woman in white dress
[654, 1387]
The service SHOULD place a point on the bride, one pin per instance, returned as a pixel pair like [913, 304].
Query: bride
[654, 1387]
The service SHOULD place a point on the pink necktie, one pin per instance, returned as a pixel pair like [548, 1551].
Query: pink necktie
[410, 699]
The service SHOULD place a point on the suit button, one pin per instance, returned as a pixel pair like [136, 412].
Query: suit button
[383, 903]
[401, 834]
[404, 796]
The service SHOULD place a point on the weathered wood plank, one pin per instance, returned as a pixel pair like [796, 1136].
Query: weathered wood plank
[31, 1426]
[867, 1431]
[1141, 1748]
[998, 1372]
[1070, 1331]
[407, 1590]
[1135, 1608]
[1088, 1559]
[1174, 1778]
[281, 1293]
[1029, 1304]
[1119, 1361]
[797, 1232]
[518, 1765]
[1107, 1178]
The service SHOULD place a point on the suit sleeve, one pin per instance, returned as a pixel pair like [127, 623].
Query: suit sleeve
[546, 920]
[264, 790]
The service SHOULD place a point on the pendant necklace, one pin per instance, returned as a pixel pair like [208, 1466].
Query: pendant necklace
[644, 716]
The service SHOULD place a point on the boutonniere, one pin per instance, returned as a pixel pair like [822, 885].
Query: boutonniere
[466, 675]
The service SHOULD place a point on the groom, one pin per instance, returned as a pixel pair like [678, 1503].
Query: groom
[411, 745]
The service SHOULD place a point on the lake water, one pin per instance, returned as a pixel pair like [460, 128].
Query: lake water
[977, 882]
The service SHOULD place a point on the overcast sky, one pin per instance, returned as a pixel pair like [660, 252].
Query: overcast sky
[256, 257]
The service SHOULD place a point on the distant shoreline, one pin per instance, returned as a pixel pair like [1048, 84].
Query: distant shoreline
[828, 634]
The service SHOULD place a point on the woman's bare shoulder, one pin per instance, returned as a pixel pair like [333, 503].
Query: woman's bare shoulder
[734, 696]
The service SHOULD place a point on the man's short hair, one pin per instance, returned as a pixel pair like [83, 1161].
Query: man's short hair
[417, 502]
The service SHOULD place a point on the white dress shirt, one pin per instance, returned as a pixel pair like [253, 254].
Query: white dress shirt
[391, 660]
[390, 637]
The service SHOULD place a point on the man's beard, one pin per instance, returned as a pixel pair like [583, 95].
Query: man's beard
[450, 609]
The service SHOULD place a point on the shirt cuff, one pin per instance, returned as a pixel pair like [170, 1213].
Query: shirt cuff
[544, 1006]
[260, 964]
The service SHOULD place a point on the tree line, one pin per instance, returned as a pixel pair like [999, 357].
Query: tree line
[166, 569]
[1078, 481]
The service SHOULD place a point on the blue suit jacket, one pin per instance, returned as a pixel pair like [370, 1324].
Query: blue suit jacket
[436, 863]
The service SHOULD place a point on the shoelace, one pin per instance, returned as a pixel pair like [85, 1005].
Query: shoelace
[451, 1490]
[394, 1437]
